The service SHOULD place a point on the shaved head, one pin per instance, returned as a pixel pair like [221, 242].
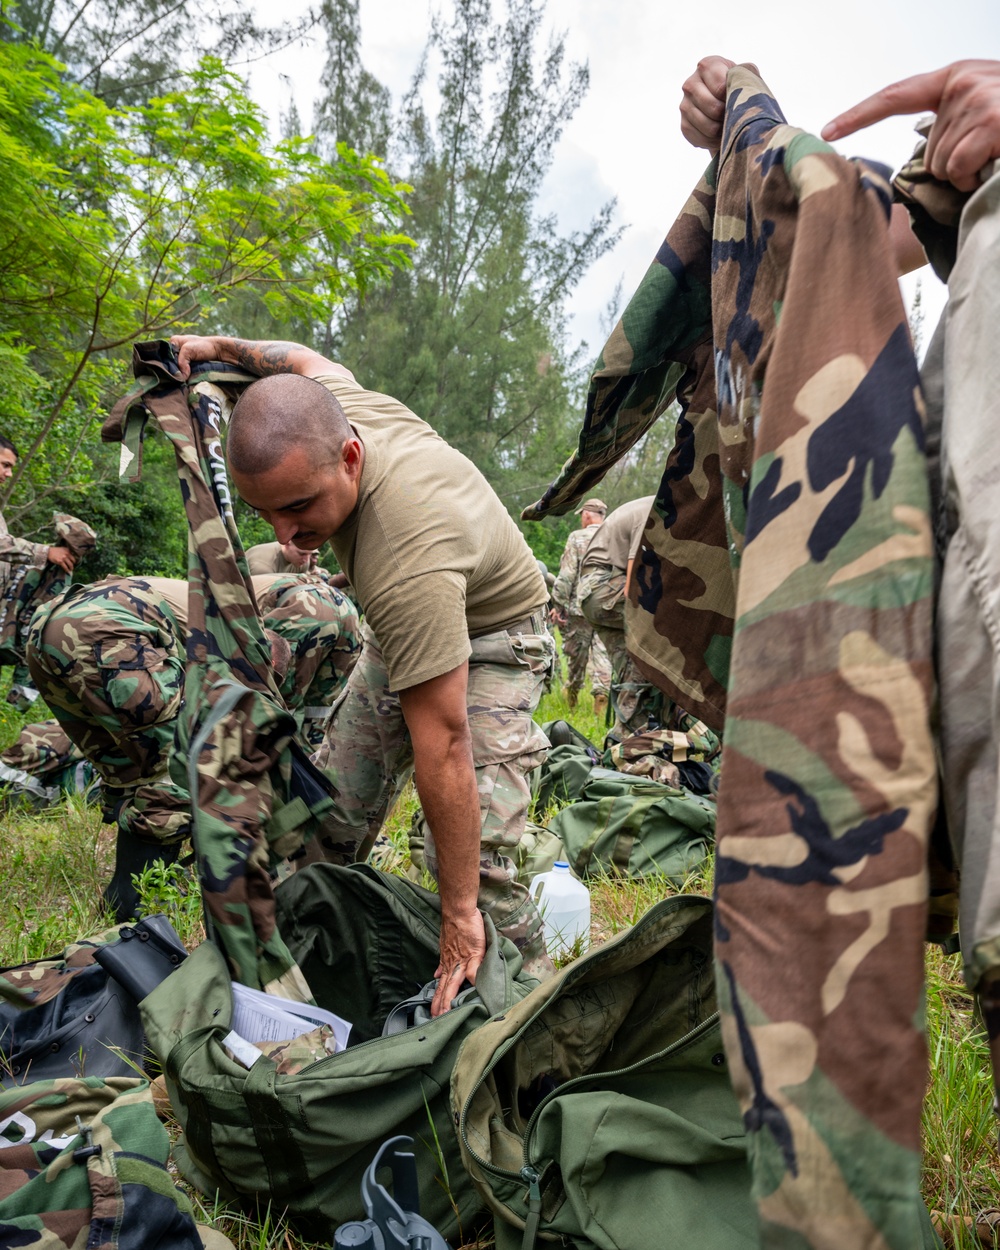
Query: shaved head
[279, 414]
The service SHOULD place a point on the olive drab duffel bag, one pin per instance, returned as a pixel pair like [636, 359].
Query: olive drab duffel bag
[634, 827]
[599, 1111]
[301, 1141]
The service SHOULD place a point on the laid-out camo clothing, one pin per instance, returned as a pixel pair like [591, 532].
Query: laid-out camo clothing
[783, 588]
[369, 757]
[580, 643]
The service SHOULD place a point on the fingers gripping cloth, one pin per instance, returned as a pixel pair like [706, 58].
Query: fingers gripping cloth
[255, 796]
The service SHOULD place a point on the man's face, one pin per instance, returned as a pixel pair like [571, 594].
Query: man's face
[303, 560]
[302, 501]
[7, 461]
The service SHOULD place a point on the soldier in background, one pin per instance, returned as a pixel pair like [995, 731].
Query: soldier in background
[604, 573]
[280, 558]
[579, 640]
[109, 660]
[31, 573]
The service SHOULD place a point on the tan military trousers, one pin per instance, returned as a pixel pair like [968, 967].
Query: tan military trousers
[369, 757]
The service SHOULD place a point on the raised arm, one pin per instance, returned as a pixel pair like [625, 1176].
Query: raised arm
[259, 356]
[966, 132]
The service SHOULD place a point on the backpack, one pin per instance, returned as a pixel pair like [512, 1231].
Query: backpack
[302, 1141]
[599, 1110]
[630, 826]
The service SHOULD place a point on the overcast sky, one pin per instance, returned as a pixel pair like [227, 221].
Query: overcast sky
[625, 141]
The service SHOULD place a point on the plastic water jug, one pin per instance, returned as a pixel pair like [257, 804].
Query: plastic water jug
[565, 906]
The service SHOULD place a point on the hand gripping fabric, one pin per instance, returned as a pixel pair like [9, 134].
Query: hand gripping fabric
[783, 586]
[254, 794]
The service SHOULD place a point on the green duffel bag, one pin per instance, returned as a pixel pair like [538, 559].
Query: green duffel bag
[600, 1111]
[301, 1141]
[633, 827]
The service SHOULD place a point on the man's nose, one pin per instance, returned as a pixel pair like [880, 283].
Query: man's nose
[284, 529]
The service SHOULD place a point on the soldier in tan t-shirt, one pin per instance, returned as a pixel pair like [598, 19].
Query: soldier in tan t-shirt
[604, 575]
[279, 558]
[455, 652]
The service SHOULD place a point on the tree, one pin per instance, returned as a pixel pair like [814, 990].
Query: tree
[131, 223]
[125, 51]
[473, 336]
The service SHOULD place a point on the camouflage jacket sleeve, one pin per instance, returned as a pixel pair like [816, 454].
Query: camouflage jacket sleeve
[649, 357]
[20, 551]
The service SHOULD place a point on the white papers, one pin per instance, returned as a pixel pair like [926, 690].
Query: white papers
[259, 1017]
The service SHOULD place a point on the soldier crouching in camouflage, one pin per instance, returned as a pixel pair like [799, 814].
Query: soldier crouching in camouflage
[455, 646]
[109, 661]
[580, 642]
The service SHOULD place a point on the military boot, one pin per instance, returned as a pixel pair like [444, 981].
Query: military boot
[601, 708]
[132, 856]
[571, 696]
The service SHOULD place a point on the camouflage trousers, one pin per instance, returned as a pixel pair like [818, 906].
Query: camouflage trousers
[581, 644]
[109, 662]
[369, 756]
[320, 624]
[634, 699]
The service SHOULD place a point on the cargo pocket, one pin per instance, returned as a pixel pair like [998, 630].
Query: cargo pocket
[142, 683]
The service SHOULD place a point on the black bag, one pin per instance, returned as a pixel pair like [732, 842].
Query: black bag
[77, 1014]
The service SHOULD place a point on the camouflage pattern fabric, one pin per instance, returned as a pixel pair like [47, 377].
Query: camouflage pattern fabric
[636, 702]
[44, 764]
[83, 1164]
[320, 624]
[774, 311]
[25, 588]
[235, 735]
[369, 755]
[109, 661]
[35, 983]
[657, 752]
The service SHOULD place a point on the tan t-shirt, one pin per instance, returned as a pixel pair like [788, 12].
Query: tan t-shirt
[268, 558]
[617, 540]
[433, 555]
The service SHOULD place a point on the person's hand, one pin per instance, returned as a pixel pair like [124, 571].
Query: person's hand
[192, 349]
[63, 557]
[556, 617]
[703, 107]
[339, 581]
[966, 132]
[463, 945]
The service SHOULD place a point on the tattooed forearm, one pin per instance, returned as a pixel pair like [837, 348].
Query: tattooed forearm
[266, 358]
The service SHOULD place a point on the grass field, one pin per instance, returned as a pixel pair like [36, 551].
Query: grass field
[53, 864]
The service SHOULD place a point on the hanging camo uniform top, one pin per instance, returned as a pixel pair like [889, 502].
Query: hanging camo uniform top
[255, 796]
[782, 590]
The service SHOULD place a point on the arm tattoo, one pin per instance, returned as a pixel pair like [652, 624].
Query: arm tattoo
[265, 357]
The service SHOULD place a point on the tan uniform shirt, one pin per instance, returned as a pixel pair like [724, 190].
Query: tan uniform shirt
[269, 558]
[433, 555]
[617, 540]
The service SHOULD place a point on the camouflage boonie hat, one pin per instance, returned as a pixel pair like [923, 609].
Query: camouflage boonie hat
[593, 505]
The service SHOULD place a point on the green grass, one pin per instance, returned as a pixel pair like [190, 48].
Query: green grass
[53, 864]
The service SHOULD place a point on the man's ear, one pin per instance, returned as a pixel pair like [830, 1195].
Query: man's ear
[351, 457]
